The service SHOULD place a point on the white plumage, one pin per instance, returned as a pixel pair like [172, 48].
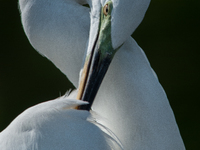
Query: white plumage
[131, 107]
[52, 126]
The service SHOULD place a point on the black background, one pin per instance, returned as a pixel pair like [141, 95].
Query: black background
[169, 36]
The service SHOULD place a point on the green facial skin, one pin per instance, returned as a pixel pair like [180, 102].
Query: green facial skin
[105, 42]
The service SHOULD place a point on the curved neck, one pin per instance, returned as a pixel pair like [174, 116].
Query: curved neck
[133, 104]
[58, 30]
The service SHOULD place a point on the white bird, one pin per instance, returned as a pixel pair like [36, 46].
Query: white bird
[130, 111]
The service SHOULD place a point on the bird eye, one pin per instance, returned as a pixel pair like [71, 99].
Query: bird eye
[105, 10]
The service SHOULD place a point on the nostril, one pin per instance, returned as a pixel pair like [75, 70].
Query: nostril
[86, 5]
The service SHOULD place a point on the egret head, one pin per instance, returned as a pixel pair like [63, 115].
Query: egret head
[60, 29]
[126, 15]
[111, 24]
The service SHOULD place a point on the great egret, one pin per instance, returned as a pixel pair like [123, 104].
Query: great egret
[130, 111]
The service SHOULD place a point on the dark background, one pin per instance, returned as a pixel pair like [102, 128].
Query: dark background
[169, 36]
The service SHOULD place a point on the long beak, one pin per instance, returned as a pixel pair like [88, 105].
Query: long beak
[94, 70]
[98, 60]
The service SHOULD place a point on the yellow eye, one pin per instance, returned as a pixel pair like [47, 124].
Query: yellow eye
[105, 10]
